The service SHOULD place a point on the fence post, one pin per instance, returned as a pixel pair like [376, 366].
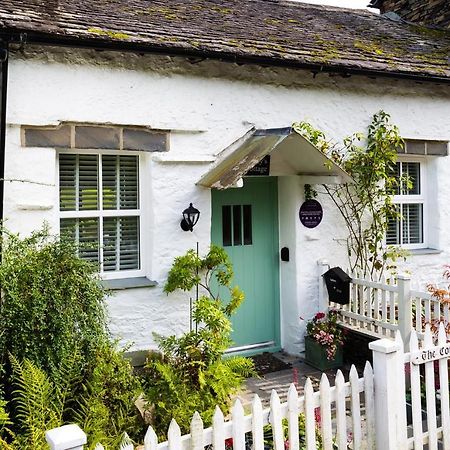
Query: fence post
[405, 322]
[388, 381]
[323, 294]
[67, 437]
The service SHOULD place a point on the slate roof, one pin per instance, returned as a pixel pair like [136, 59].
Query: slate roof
[275, 32]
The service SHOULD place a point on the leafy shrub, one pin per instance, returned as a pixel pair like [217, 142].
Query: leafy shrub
[55, 346]
[51, 302]
[189, 374]
[105, 403]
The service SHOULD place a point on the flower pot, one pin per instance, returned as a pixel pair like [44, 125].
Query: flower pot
[316, 355]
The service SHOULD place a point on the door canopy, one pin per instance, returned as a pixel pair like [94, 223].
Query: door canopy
[290, 154]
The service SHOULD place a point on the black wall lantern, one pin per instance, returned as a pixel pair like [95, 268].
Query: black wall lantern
[190, 218]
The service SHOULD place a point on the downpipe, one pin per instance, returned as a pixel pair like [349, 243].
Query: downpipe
[3, 94]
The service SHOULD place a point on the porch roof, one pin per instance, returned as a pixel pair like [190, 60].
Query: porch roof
[290, 154]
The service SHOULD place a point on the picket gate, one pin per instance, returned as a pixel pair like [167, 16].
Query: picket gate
[430, 374]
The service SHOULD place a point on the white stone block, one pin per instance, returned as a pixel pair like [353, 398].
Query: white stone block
[67, 437]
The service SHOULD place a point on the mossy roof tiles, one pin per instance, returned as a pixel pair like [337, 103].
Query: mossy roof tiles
[271, 31]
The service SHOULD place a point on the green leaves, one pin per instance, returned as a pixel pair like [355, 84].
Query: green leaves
[184, 273]
[189, 374]
[62, 365]
[366, 204]
[52, 302]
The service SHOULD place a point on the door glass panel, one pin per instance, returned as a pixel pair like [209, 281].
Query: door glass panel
[237, 225]
[237, 228]
[247, 224]
[226, 225]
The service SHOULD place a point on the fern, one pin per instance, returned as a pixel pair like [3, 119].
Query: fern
[37, 408]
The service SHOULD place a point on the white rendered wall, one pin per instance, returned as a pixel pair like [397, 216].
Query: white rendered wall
[208, 105]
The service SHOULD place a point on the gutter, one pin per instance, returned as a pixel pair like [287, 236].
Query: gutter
[96, 44]
[3, 94]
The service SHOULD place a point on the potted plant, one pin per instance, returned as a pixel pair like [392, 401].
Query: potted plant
[323, 341]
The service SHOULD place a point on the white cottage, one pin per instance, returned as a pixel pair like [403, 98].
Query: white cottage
[116, 115]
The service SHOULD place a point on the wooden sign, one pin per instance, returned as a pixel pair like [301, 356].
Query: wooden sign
[431, 354]
[262, 168]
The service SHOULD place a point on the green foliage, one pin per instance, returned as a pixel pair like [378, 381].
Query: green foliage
[51, 302]
[366, 203]
[60, 365]
[37, 405]
[189, 374]
[105, 402]
[268, 434]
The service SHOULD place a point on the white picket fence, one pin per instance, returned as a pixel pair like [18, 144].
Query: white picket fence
[346, 410]
[381, 308]
[363, 413]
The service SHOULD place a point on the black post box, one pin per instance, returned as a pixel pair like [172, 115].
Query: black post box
[338, 285]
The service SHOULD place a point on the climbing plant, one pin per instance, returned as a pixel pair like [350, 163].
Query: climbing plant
[366, 203]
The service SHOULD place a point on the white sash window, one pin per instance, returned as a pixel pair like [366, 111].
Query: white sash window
[409, 230]
[100, 209]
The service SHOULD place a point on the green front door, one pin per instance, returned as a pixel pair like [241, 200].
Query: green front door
[245, 223]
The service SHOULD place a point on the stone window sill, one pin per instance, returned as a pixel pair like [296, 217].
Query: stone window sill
[128, 283]
[425, 251]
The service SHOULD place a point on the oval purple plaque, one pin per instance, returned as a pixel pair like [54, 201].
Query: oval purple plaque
[311, 213]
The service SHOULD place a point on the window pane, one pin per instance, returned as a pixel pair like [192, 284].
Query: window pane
[412, 223]
[393, 231]
[128, 173]
[85, 233]
[120, 243]
[109, 180]
[120, 173]
[129, 243]
[412, 171]
[110, 241]
[67, 182]
[88, 182]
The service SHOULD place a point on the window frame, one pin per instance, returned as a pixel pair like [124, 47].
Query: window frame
[102, 213]
[415, 199]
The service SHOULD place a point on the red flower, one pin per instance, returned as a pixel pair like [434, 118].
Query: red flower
[319, 316]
